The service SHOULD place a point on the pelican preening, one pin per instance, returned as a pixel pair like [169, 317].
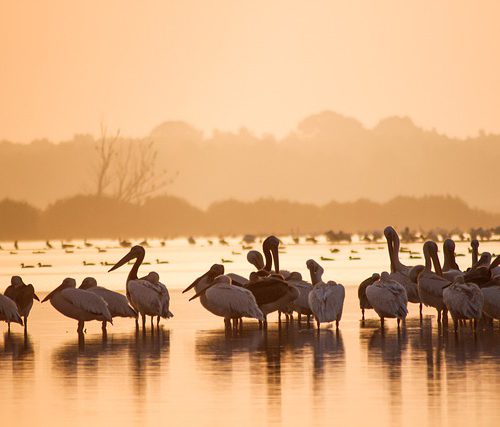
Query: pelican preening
[78, 304]
[148, 298]
[464, 301]
[23, 296]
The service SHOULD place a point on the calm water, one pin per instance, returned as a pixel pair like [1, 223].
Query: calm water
[190, 371]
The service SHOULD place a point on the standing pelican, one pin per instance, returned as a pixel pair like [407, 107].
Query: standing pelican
[400, 272]
[464, 301]
[431, 285]
[117, 303]
[326, 300]
[23, 295]
[8, 311]
[491, 297]
[388, 298]
[301, 304]
[78, 304]
[451, 270]
[480, 272]
[154, 277]
[364, 304]
[145, 297]
[228, 301]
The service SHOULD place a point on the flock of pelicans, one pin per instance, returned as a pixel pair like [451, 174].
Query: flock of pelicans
[472, 295]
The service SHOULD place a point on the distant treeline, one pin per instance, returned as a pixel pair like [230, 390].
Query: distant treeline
[103, 217]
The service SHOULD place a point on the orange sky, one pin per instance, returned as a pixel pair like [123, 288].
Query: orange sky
[261, 64]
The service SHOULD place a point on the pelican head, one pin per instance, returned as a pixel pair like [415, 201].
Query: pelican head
[474, 243]
[66, 283]
[315, 270]
[449, 245]
[16, 281]
[389, 232]
[270, 246]
[88, 282]
[152, 277]
[136, 251]
[219, 280]
[384, 276]
[294, 275]
[210, 275]
[255, 258]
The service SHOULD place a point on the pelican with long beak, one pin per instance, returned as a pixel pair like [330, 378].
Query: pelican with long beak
[228, 301]
[147, 298]
[23, 295]
[78, 304]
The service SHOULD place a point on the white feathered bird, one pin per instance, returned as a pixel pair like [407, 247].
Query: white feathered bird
[78, 304]
[8, 311]
[463, 300]
[326, 300]
[117, 303]
[388, 298]
[491, 297]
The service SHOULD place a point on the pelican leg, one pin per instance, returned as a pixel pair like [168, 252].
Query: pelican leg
[439, 316]
[318, 324]
[337, 322]
[299, 318]
[8, 327]
[137, 322]
[81, 324]
[399, 322]
[227, 323]
[157, 321]
[420, 308]
[362, 314]
[279, 317]
[104, 326]
[382, 322]
[25, 323]
[152, 324]
[143, 321]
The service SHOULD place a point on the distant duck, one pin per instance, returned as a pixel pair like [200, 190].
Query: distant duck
[210, 242]
[296, 240]
[106, 263]
[38, 252]
[101, 250]
[88, 264]
[235, 253]
[69, 251]
[13, 252]
[311, 239]
[334, 250]
[23, 295]
[353, 251]
[415, 257]
[354, 258]
[223, 242]
[67, 245]
[40, 265]
[125, 243]
[191, 241]
[247, 247]
[16, 245]
[158, 261]
[78, 304]
[144, 243]
[23, 265]
[49, 246]
[87, 244]
[226, 261]
[324, 258]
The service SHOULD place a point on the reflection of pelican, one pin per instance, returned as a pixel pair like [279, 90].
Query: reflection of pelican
[325, 299]
[78, 304]
[117, 303]
[229, 301]
[18, 345]
[147, 298]
[388, 298]
[463, 300]
[23, 295]
[8, 311]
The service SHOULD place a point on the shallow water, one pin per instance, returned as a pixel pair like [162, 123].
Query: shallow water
[191, 371]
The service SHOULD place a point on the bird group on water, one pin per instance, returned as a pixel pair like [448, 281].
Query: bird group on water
[472, 295]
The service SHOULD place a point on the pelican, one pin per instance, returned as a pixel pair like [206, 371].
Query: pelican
[147, 298]
[431, 285]
[475, 250]
[8, 311]
[451, 270]
[228, 301]
[301, 304]
[495, 268]
[364, 304]
[154, 277]
[23, 295]
[480, 272]
[464, 301]
[326, 300]
[117, 303]
[78, 304]
[388, 298]
[273, 293]
[491, 297]
[400, 272]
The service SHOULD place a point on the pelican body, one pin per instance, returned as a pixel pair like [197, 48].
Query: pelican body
[364, 304]
[78, 304]
[117, 303]
[23, 295]
[463, 300]
[8, 311]
[491, 299]
[388, 298]
[326, 300]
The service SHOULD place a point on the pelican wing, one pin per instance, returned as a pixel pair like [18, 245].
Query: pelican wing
[8, 310]
[145, 296]
[388, 298]
[87, 301]
[238, 301]
[326, 301]
[464, 299]
[304, 288]
[117, 303]
[237, 280]
[268, 290]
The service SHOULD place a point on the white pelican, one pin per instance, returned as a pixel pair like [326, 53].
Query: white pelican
[451, 270]
[388, 298]
[464, 301]
[326, 300]
[491, 296]
[117, 303]
[480, 272]
[78, 304]
[301, 304]
[145, 297]
[495, 268]
[154, 277]
[228, 301]
[400, 272]
[431, 285]
[8, 311]
[364, 304]
[23, 295]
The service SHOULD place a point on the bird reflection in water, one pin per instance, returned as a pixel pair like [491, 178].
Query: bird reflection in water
[17, 346]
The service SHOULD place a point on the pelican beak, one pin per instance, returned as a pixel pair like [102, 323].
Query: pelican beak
[202, 291]
[36, 297]
[51, 294]
[192, 285]
[123, 261]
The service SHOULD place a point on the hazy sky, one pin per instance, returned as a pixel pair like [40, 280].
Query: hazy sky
[65, 66]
